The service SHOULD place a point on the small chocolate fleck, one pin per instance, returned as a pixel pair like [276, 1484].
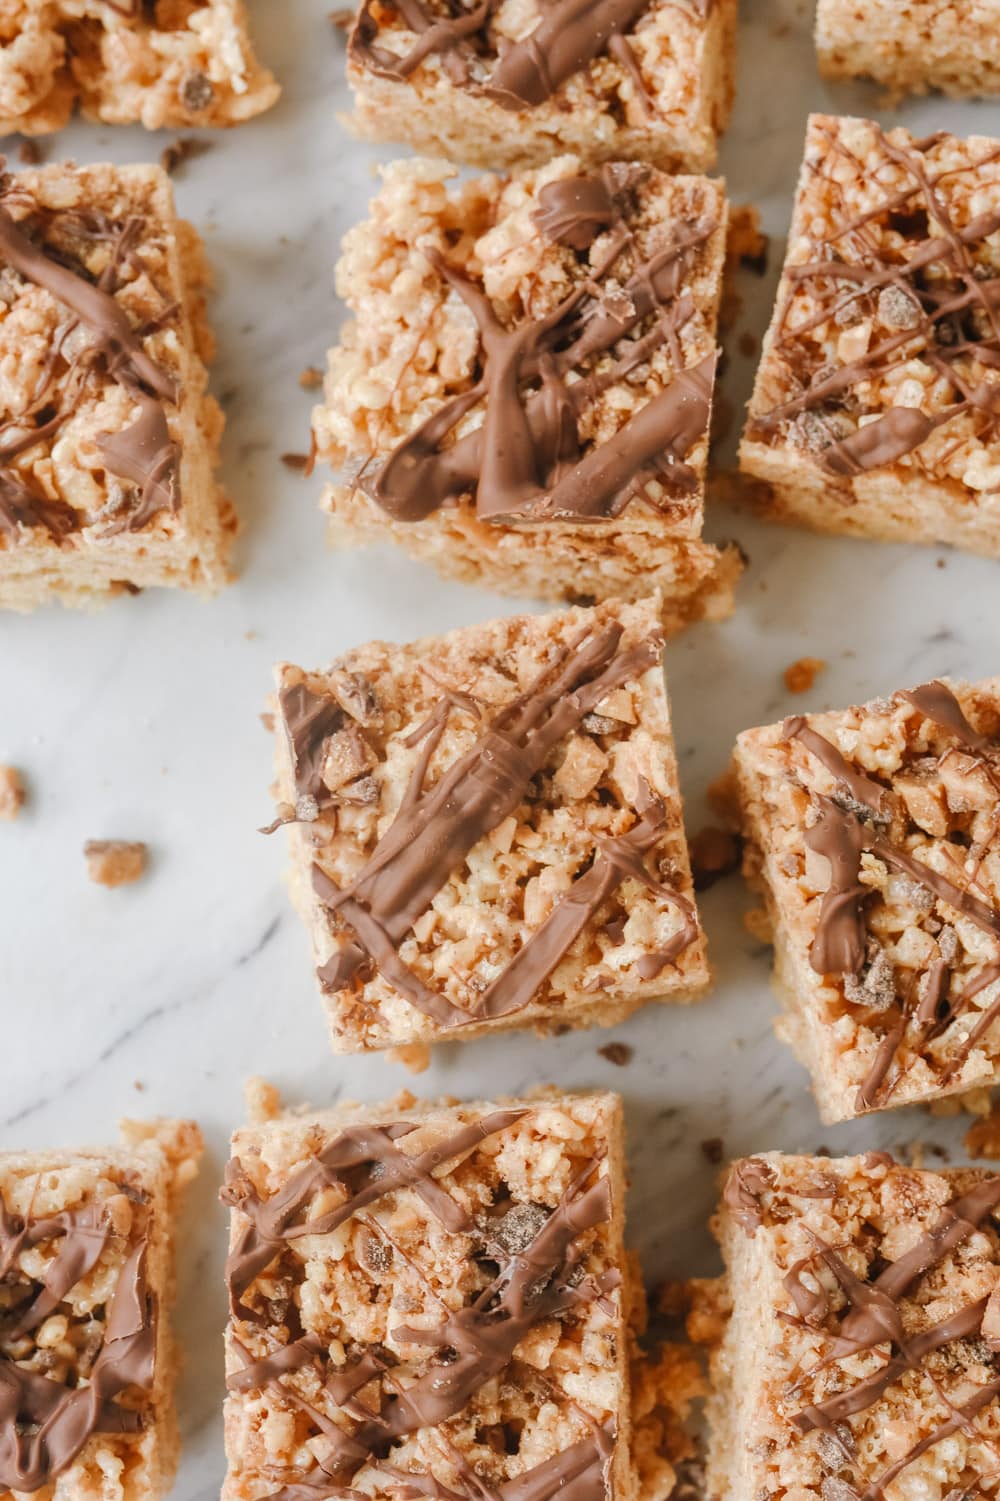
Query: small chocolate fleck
[618, 1053]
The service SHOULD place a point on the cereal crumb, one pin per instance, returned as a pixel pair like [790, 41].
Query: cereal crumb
[267, 720]
[12, 793]
[114, 862]
[618, 1053]
[758, 925]
[181, 151]
[30, 152]
[983, 1139]
[801, 675]
[297, 461]
[747, 244]
[715, 854]
[713, 1149]
[262, 1100]
[415, 1056]
[310, 378]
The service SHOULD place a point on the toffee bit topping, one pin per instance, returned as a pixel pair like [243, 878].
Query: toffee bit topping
[44, 1422]
[436, 829]
[926, 284]
[541, 1277]
[526, 461]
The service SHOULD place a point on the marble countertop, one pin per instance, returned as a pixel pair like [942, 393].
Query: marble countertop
[141, 722]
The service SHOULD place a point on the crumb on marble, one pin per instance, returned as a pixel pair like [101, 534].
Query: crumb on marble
[618, 1053]
[715, 854]
[115, 862]
[12, 793]
[801, 675]
[414, 1056]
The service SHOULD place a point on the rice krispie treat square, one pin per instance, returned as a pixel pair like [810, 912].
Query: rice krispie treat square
[872, 833]
[912, 46]
[486, 829]
[876, 410]
[153, 62]
[523, 395]
[87, 1361]
[430, 1299]
[108, 438]
[512, 83]
[860, 1359]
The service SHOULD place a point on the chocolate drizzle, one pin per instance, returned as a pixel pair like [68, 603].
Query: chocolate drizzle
[539, 1277]
[855, 822]
[874, 1318]
[526, 72]
[929, 295]
[143, 454]
[436, 829]
[526, 461]
[44, 1424]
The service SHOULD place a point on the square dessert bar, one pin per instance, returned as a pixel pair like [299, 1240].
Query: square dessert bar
[911, 46]
[487, 831]
[429, 1299]
[523, 396]
[87, 1360]
[108, 438]
[876, 410]
[860, 1359]
[511, 83]
[154, 62]
[873, 833]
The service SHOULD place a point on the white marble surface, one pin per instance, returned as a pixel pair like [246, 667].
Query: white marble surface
[141, 722]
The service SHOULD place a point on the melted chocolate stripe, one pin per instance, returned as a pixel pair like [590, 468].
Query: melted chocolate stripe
[523, 462]
[29, 1461]
[368, 1148]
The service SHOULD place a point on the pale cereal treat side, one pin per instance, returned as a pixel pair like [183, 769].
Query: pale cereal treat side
[175, 63]
[550, 889]
[872, 834]
[875, 410]
[660, 89]
[912, 46]
[87, 1252]
[859, 1358]
[603, 289]
[459, 1311]
[108, 434]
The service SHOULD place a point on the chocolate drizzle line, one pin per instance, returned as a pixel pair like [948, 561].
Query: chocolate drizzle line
[526, 461]
[949, 312]
[853, 823]
[470, 1347]
[44, 1424]
[874, 1318]
[144, 454]
[436, 828]
[525, 73]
